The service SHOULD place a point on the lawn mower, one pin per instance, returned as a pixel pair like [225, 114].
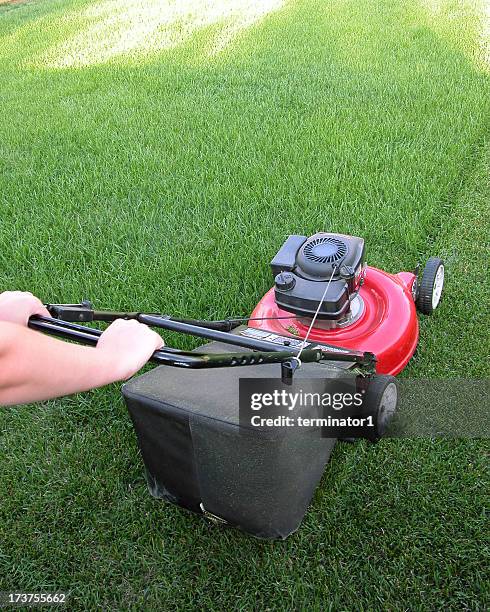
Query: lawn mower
[328, 316]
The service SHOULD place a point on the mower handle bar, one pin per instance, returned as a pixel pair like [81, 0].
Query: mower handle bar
[171, 356]
[205, 329]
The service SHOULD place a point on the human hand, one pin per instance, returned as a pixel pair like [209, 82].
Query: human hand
[128, 345]
[18, 306]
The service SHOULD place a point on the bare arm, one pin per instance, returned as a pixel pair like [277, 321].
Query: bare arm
[35, 367]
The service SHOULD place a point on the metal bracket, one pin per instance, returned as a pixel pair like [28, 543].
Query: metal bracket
[288, 368]
[217, 520]
[80, 313]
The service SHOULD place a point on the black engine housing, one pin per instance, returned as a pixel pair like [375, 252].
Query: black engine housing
[303, 266]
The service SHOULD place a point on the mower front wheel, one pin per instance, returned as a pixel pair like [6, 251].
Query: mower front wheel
[431, 285]
[380, 402]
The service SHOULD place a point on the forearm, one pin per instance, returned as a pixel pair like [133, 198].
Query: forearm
[34, 367]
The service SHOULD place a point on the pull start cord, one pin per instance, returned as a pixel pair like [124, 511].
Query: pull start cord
[305, 341]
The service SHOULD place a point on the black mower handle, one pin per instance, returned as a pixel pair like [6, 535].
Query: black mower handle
[84, 313]
[214, 330]
[175, 357]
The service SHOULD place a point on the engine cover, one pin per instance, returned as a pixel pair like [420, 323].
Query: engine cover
[303, 266]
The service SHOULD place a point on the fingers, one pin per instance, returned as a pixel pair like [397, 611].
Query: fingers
[143, 329]
[42, 311]
[133, 326]
[18, 306]
[160, 343]
[35, 306]
[15, 293]
[128, 345]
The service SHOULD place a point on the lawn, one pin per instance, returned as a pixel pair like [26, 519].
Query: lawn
[155, 155]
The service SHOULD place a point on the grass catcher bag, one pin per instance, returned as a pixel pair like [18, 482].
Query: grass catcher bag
[198, 456]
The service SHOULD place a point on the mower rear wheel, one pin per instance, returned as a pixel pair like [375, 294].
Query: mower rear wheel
[381, 401]
[431, 285]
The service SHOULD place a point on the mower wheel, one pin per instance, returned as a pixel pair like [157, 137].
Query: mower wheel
[431, 285]
[381, 401]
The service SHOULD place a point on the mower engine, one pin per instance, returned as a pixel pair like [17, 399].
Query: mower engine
[324, 279]
[303, 266]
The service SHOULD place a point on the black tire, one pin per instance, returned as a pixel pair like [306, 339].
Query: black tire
[431, 286]
[380, 402]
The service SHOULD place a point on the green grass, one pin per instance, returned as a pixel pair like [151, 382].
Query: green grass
[165, 179]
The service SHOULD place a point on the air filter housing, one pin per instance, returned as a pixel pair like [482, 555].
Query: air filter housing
[303, 266]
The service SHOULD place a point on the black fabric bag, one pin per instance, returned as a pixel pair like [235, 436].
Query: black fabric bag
[198, 456]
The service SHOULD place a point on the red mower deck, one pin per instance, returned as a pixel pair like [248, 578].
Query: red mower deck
[387, 327]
